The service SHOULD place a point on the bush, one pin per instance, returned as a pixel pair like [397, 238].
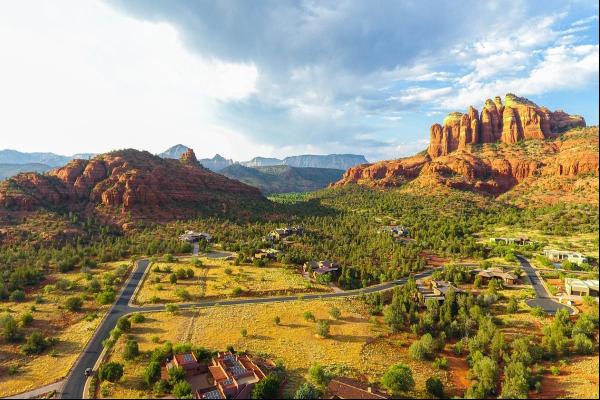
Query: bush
[267, 388]
[131, 350]
[173, 278]
[26, 319]
[308, 316]
[183, 293]
[137, 318]
[244, 332]
[111, 372]
[398, 378]
[123, 324]
[152, 373]
[322, 328]
[171, 308]
[106, 297]
[307, 391]
[441, 363]
[317, 375]
[9, 329]
[513, 305]
[182, 390]
[538, 312]
[434, 387]
[17, 296]
[160, 388]
[583, 344]
[176, 374]
[35, 344]
[74, 303]
[277, 320]
[335, 313]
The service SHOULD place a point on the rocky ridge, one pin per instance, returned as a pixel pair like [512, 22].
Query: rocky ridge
[128, 185]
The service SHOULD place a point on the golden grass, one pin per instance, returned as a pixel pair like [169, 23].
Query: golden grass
[363, 348]
[51, 318]
[212, 280]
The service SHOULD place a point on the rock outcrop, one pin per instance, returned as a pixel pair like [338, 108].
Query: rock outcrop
[128, 185]
[516, 120]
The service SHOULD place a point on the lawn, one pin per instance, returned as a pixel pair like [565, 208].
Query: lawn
[72, 329]
[217, 278]
[357, 346]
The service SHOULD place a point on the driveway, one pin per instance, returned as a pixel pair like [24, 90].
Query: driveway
[543, 298]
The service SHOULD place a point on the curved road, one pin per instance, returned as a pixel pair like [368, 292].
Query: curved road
[543, 298]
[75, 381]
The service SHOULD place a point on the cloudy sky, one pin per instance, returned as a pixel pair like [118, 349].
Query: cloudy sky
[276, 78]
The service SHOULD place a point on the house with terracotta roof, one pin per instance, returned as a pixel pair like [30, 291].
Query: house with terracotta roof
[344, 388]
[234, 377]
[187, 361]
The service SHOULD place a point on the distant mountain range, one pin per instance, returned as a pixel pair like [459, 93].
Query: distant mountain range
[283, 178]
[13, 162]
[332, 161]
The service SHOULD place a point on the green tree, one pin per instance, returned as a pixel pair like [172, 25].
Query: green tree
[9, 330]
[322, 328]
[74, 303]
[434, 387]
[123, 324]
[176, 374]
[398, 378]
[513, 305]
[267, 388]
[35, 344]
[112, 372]
[335, 313]
[583, 344]
[152, 373]
[307, 391]
[516, 381]
[131, 350]
[182, 390]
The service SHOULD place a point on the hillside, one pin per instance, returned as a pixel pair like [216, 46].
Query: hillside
[130, 186]
[525, 158]
[283, 178]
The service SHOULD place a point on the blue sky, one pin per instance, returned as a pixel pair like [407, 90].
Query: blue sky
[276, 78]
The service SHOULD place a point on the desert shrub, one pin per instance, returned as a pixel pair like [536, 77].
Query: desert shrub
[309, 316]
[123, 324]
[318, 375]
[267, 388]
[307, 391]
[74, 303]
[244, 332]
[173, 278]
[106, 297]
[9, 330]
[441, 363]
[111, 372]
[322, 328]
[183, 293]
[434, 387]
[35, 344]
[583, 344]
[176, 374]
[236, 291]
[17, 296]
[335, 313]
[398, 378]
[277, 320]
[131, 350]
[152, 373]
[137, 318]
[160, 388]
[26, 319]
[182, 390]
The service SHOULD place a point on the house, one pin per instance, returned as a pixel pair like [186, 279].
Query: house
[187, 361]
[234, 377]
[344, 388]
[396, 231]
[508, 278]
[578, 287]
[319, 268]
[560, 256]
[271, 254]
[194, 237]
[519, 241]
[440, 288]
[281, 233]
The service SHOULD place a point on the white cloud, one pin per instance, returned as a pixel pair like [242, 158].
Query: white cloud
[79, 76]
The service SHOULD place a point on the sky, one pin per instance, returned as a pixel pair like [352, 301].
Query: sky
[279, 78]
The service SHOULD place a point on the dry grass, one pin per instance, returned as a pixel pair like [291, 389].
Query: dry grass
[51, 318]
[219, 279]
[362, 348]
[577, 380]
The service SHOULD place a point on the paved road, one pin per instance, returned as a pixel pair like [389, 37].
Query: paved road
[73, 388]
[75, 382]
[543, 298]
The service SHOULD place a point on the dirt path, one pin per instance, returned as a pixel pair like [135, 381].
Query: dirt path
[39, 392]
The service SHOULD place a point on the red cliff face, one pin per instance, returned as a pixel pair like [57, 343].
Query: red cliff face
[126, 185]
[516, 120]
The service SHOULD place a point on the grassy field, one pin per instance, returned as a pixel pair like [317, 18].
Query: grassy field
[217, 278]
[72, 329]
[357, 345]
[586, 243]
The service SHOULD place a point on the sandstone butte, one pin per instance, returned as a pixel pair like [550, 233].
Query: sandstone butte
[129, 185]
[494, 151]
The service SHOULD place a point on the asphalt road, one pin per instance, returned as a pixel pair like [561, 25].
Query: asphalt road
[73, 388]
[543, 298]
[75, 382]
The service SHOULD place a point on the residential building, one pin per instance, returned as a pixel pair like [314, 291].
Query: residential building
[319, 268]
[194, 237]
[519, 241]
[344, 388]
[578, 287]
[234, 377]
[560, 256]
[440, 288]
[281, 233]
[508, 278]
[396, 230]
[187, 361]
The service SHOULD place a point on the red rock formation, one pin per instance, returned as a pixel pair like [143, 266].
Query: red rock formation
[515, 120]
[127, 185]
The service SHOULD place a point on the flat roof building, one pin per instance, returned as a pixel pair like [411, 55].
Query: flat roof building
[578, 287]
